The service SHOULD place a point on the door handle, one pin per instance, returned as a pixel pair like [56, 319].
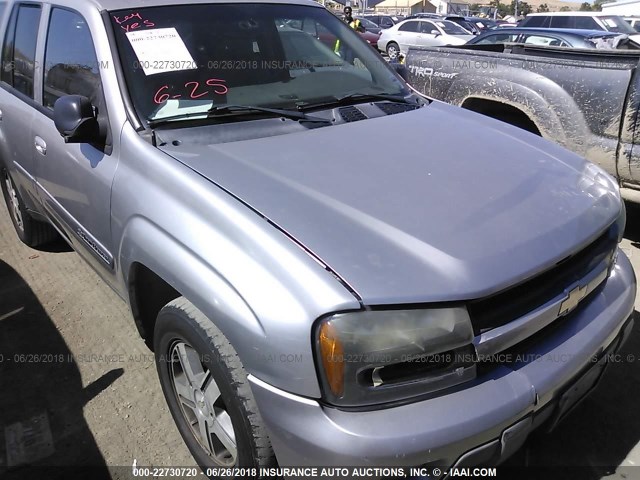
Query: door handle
[0, 115]
[41, 146]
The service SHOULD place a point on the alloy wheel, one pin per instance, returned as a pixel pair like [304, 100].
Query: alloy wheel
[202, 405]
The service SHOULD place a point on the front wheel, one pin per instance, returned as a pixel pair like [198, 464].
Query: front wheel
[30, 231]
[207, 391]
[393, 49]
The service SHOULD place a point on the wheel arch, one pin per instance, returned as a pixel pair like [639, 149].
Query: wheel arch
[506, 112]
[164, 270]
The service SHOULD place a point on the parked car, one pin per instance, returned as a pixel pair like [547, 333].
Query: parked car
[369, 26]
[553, 37]
[309, 303]
[483, 23]
[383, 21]
[583, 100]
[371, 38]
[580, 20]
[421, 32]
[469, 26]
[423, 15]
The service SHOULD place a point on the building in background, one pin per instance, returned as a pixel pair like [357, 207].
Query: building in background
[446, 7]
[622, 7]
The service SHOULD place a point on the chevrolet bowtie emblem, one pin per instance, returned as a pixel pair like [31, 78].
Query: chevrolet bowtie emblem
[572, 300]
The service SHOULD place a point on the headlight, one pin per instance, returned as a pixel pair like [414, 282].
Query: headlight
[373, 357]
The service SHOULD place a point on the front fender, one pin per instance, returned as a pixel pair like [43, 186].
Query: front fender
[146, 243]
[256, 284]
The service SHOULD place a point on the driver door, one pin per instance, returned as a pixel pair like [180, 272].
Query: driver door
[428, 39]
[74, 180]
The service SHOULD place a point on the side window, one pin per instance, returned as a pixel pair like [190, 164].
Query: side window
[536, 21]
[3, 7]
[562, 21]
[409, 27]
[586, 23]
[70, 64]
[426, 27]
[19, 53]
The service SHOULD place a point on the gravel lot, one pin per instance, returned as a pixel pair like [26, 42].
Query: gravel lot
[78, 387]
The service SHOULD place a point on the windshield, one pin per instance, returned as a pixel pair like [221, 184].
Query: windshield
[451, 28]
[185, 59]
[617, 24]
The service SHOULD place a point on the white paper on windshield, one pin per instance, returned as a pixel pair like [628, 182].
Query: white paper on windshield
[178, 107]
[609, 22]
[440, 24]
[161, 50]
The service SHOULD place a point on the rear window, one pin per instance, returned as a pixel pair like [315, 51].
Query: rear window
[386, 22]
[451, 28]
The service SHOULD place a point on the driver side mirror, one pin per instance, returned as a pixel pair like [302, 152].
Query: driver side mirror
[435, 33]
[76, 120]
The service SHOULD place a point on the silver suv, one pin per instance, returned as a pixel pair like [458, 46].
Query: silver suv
[313, 292]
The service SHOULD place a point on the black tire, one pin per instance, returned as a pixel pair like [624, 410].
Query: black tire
[30, 231]
[392, 50]
[181, 325]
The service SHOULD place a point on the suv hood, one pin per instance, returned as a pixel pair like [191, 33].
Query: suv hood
[452, 206]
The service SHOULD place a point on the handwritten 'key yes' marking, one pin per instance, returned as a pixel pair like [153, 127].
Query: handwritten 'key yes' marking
[138, 23]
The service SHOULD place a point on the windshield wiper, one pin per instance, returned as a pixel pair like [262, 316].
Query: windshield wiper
[235, 110]
[353, 98]
[221, 110]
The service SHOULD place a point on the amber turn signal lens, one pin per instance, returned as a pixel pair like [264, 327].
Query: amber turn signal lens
[332, 358]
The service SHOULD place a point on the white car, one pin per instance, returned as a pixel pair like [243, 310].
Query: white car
[421, 32]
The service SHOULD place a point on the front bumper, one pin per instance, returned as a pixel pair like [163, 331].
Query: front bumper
[481, 424]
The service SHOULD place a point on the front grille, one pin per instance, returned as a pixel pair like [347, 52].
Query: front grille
[510, 304]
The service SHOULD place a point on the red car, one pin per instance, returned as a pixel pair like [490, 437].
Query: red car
[371, 38]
